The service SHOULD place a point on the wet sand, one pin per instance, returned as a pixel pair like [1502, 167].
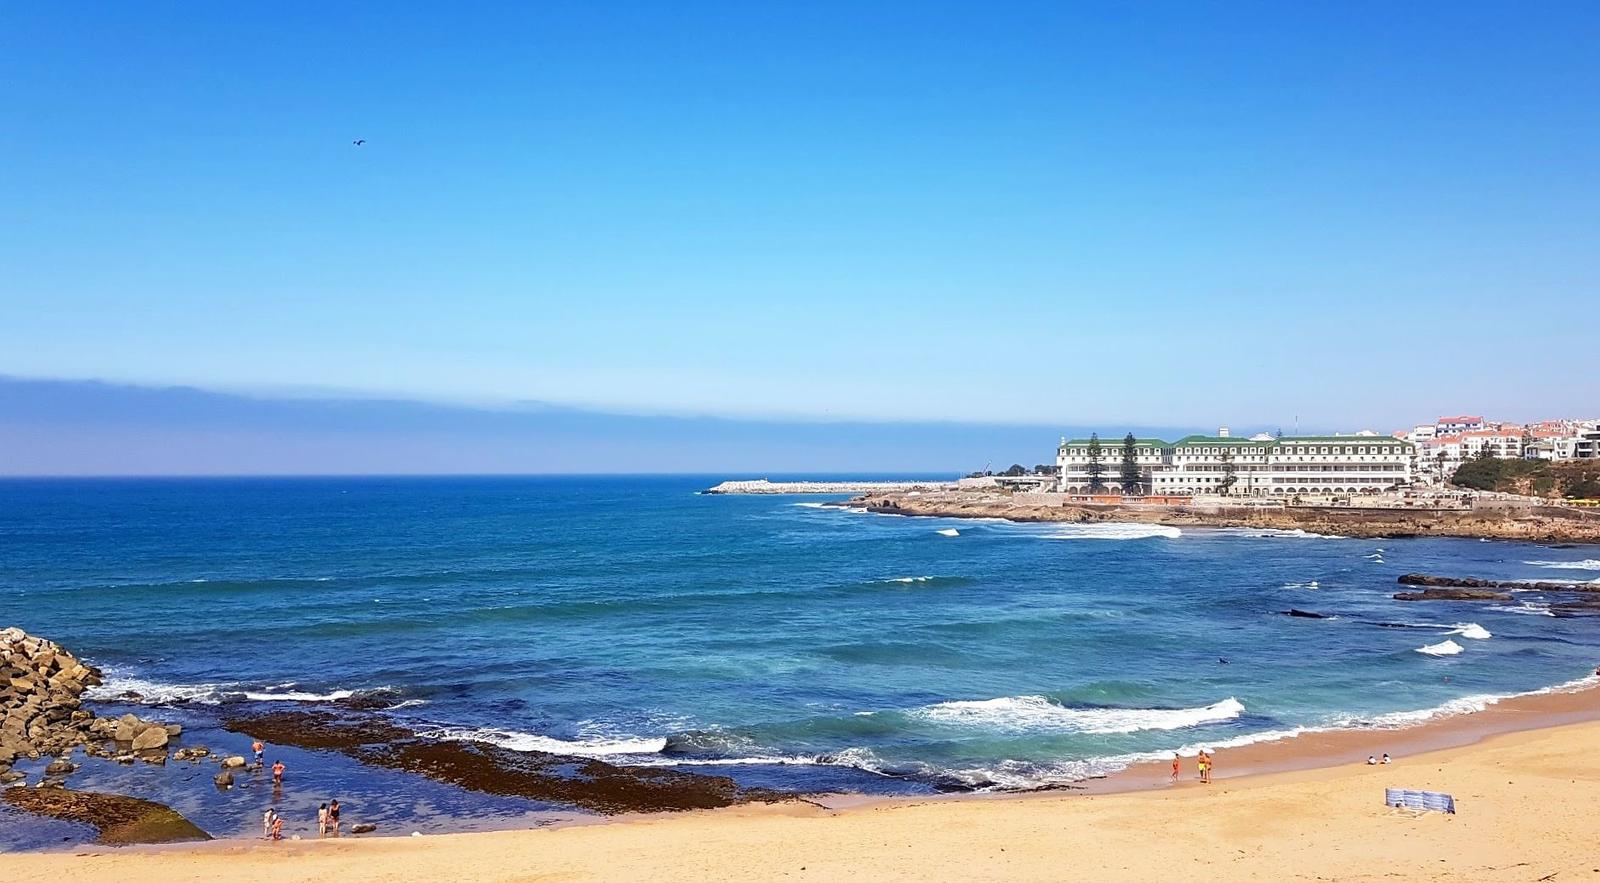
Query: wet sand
[1524, 773]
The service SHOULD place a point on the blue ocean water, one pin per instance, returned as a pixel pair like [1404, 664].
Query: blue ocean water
[770, 638]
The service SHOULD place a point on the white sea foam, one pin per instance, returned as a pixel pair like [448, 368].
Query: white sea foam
[909, 579]
[1313, 584]
[1446, 647]
[810, 505]
[1585, 564]
[1527, 607]
[1036, 713]
[1296, 533]
[155, 693]
[1471, 630]
[597, 746]
[152, 692]
[1112, 531]
[949, 532]
[295, 695]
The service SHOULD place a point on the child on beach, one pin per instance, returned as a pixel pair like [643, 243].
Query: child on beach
[322, 820]
[277, 827]
[1174, 767]
[267, 818]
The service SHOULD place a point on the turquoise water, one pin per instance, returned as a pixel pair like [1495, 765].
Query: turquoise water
[770, 638]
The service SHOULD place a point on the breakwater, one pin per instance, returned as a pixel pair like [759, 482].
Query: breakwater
[762, 486]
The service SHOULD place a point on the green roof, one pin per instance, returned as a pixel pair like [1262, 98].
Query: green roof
[1146, 442]
[1216, 440]
[1344, 439]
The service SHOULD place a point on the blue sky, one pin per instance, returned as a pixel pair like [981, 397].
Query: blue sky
[1361, 214]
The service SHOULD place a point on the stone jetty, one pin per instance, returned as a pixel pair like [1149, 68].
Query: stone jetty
[42, 713]
[763, 486]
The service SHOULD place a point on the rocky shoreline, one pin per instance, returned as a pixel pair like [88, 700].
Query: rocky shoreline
[46, 728]
[41, 698]
[587, 783]
[1544, 524]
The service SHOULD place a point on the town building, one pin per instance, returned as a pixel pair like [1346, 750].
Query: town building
[1260, 466]
[1455, 425]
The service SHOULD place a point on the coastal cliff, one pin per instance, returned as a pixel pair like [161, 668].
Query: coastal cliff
[1543, 524]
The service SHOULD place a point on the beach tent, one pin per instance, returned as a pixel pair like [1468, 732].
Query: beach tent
[1436, 801]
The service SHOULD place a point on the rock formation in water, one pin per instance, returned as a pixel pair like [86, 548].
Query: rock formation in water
[42, 713]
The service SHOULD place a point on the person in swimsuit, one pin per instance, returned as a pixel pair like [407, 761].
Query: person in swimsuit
[260, 751]
[277, 774]
[1174, 767]
[322, 820]
[1204, 763]
[267, 818]
[277, 827]
[333, 817]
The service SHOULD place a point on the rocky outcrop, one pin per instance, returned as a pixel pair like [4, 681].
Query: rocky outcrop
[1540, 524]
[42, 713]
[1472, 582]
[119, 820]
[1453, 595]
[479, 766]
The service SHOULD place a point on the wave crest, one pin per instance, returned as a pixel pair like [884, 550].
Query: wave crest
[1034, 713]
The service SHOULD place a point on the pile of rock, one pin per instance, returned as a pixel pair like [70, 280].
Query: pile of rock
[41, 713]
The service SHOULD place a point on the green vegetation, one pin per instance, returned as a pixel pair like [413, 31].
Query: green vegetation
[1229, 472]
[1573, 479]
[1095, 467]
[1130, 466]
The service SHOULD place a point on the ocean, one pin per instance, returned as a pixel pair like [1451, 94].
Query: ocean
[772, 639]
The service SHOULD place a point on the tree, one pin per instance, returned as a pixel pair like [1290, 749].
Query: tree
[1229, 476]
[1095, 467]
[1130, 466]
[1015, 470]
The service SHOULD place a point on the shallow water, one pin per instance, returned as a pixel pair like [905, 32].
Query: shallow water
[766, 638]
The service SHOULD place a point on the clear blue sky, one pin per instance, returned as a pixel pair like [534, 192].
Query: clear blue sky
[1364, 214]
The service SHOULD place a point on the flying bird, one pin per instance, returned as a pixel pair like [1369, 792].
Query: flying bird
[359, 141]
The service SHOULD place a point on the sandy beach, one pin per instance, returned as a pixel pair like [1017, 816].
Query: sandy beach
[1524, 798]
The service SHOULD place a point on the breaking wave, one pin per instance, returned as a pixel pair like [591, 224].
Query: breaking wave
[599, 746]
[1446, 647]
[1036, 713]
[1586, 564]
[127, 688]
[1113, 531]
[948, 532]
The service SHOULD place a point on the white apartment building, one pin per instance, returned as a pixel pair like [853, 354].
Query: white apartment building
[1457, 425]
[1261, 466]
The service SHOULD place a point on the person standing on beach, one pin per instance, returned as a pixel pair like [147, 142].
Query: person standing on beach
[260, 752]
[267, 818]
[333, 816]
[277, 827]
[322, 820]
[277, 774]
[1204, 762]
[1174, 767]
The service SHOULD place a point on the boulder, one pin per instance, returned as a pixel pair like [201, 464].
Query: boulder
[363, 828]
[150, 739]
[127, 728]
[223, 779]
[233, 763]
[174, 729]
[60, 768]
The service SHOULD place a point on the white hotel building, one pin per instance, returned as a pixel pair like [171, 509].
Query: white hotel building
[1262, 466]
